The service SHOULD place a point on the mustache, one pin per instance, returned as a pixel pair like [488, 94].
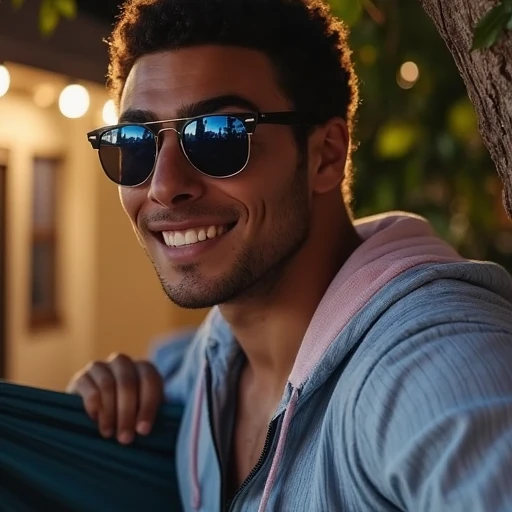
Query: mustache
[227, 214]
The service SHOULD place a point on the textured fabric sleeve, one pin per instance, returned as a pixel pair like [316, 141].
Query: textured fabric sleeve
[52, 458]
[435, 416]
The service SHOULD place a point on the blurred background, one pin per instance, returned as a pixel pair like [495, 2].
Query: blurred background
[75, 285]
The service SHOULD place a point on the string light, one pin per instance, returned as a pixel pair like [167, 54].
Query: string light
[109, 113]
[74, 101]
[5, 80]
[408, 75]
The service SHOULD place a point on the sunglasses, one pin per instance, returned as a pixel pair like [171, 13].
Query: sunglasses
[217, 145]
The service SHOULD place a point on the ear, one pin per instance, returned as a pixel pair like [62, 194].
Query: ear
[328, 150]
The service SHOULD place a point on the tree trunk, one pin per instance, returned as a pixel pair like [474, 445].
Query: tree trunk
[487, 75]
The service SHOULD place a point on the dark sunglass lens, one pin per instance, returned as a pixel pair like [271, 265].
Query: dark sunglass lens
[127, 154]
[217, 145]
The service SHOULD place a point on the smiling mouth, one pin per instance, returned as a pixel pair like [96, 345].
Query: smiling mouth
[194, 236]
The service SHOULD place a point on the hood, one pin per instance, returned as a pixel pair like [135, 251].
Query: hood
[393, 244]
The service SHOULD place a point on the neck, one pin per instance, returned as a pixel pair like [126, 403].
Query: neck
[270, 326]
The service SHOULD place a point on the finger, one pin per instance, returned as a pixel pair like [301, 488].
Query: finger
[85, 386]
[72, 387]
[150, 397]
[104, 380]
[127, 382]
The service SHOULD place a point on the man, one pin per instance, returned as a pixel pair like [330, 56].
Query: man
[347, 365]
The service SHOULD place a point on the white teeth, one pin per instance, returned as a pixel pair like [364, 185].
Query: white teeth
[179, 239]
[192, 236]
[212, 232]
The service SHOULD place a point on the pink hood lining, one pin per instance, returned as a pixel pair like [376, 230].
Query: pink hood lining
[392, 244]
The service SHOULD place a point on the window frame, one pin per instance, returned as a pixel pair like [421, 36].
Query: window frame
[48, 315]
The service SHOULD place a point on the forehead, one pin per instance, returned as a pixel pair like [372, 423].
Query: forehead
[166, 81]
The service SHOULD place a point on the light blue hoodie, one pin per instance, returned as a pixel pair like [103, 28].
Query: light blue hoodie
[400, 397]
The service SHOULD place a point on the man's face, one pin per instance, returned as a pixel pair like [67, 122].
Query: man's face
[259, 219]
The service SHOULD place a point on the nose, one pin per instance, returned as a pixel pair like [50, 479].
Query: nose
[174, 181]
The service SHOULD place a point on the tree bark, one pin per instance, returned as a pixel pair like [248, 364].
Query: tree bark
[487, 75]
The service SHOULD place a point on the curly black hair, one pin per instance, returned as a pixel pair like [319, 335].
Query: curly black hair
[305, 42]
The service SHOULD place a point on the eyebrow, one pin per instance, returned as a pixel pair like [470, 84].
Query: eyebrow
[200, 108]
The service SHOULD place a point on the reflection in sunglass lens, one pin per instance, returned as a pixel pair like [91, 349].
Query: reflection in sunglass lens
[127, 154]
[216, 145]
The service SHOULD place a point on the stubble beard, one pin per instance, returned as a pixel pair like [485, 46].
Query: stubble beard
[257, 270]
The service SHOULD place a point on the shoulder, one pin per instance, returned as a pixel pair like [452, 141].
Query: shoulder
[438, 298]
[437, 394]
[445, 343]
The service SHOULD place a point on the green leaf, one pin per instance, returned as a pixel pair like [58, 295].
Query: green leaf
[48, 17]
[490, 28]
[395, 139]
[462, 121]
[348, 11]
[507, 5]
[66, 8]
[17, 3]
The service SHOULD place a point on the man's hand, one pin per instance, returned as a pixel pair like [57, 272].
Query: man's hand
[121, 395]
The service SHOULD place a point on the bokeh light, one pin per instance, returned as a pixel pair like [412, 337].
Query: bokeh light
[74, 101]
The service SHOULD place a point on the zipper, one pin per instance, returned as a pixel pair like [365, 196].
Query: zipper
[209, 400]
[263, 457]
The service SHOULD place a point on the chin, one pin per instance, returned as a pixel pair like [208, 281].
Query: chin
[196, 290]
[189, 299]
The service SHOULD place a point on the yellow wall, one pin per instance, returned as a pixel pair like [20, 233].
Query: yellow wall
[110, 298]
[40, 357]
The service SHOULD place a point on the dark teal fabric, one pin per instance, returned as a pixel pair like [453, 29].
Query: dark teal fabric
[53, 459]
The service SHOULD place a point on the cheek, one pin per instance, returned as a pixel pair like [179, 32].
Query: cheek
[132, 200]
[273, 165]
[274, 157]
[275, 142]
[262, 189]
